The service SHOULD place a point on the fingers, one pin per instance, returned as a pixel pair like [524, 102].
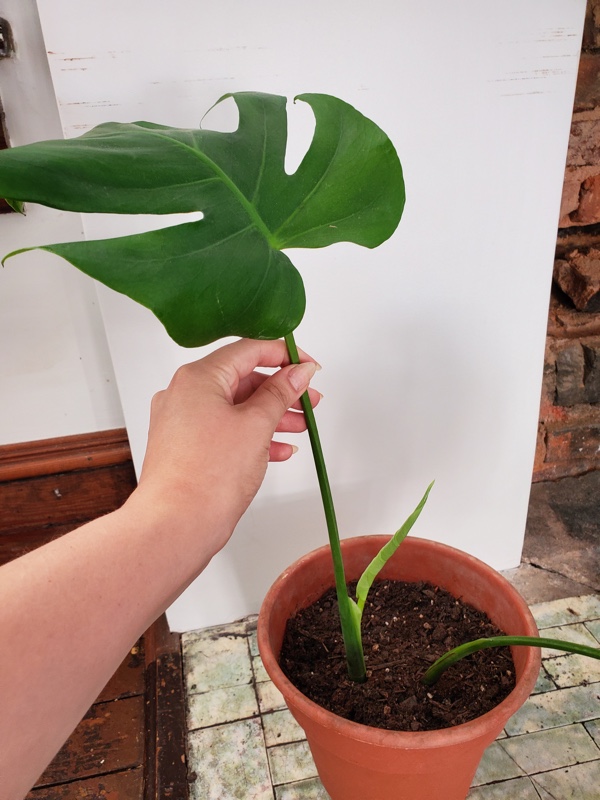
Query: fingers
[281, 451]
[292, 422]
[280, 391]
[274, 399]
[237, 361]
[251, 383]
[273, 395]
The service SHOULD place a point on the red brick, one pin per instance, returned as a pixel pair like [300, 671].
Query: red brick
[579, 277]
[575, 177]
[568, 323]
[570, 366]
[584, 143]
[574, 444]
[540, 450]
[591, 31]
[568, 442]
[587, 93]
[548, 383]
[591, 375]
[588, 211]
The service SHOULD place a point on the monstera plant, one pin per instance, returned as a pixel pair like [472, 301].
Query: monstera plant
[226, 274]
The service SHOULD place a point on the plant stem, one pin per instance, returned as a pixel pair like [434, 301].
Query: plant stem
[352, 639]
[454, 655]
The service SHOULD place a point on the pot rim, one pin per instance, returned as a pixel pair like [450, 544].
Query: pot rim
[390, 738]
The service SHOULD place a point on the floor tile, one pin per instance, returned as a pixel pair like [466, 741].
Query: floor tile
[588, 606]
[217, 658]
[291, 762]
[269, 697]
[221, 705]
[579, 782]
[593, 627]
[562, 707]
[258, 669]
[311, 789]
[543, 794]
[520, 788]
[567, 610]
[593, 728]
[573, 670]
[280, 728]
[496, 765]
[230, 629]
[215, 756]
[544, 683]
[548, 750]
[572, 633]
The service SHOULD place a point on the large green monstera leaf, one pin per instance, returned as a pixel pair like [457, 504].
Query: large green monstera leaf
[225, 274]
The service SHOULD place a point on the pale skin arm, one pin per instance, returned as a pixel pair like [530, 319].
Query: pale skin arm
[71, 610]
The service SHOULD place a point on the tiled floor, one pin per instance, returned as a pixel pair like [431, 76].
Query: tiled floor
[244, 744]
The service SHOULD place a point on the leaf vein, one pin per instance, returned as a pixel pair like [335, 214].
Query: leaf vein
[226, 180]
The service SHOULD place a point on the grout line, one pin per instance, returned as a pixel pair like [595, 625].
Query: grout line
[535, 789]
[260, 715]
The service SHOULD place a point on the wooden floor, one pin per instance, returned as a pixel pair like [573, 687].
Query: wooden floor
[105, 756]
[131, 743]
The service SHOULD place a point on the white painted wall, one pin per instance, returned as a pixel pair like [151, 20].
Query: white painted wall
[432, 346]
[56, 376]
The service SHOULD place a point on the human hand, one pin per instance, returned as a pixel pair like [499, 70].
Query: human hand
[211, 432]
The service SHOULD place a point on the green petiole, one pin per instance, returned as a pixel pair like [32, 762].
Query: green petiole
[350, 627]
[350, 610]
[457, 653]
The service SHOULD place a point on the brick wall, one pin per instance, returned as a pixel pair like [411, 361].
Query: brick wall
[569, 427]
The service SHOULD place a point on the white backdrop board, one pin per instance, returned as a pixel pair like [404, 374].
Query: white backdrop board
[56, 376]
[432, 345]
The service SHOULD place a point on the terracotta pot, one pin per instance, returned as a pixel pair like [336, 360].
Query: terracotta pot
[357, 762]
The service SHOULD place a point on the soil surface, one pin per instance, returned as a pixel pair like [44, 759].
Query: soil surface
[406, 626]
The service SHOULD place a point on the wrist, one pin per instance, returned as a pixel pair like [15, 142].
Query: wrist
[193, 531]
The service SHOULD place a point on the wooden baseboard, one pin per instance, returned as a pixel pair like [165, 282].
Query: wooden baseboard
[49, 487]
[63, 454]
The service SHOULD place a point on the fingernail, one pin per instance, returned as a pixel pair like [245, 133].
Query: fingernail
[300, 375]
[294, 449]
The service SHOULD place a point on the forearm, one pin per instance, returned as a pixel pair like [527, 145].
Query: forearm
[69, 612]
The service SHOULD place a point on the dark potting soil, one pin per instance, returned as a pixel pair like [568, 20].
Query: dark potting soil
[406, 626]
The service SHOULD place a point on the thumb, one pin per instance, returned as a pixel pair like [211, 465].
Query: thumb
[281, 390]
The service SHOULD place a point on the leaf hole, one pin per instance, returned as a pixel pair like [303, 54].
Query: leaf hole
[223, 117]
[301, 130]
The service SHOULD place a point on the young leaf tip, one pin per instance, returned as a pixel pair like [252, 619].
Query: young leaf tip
[16, 205]
[15, 253]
